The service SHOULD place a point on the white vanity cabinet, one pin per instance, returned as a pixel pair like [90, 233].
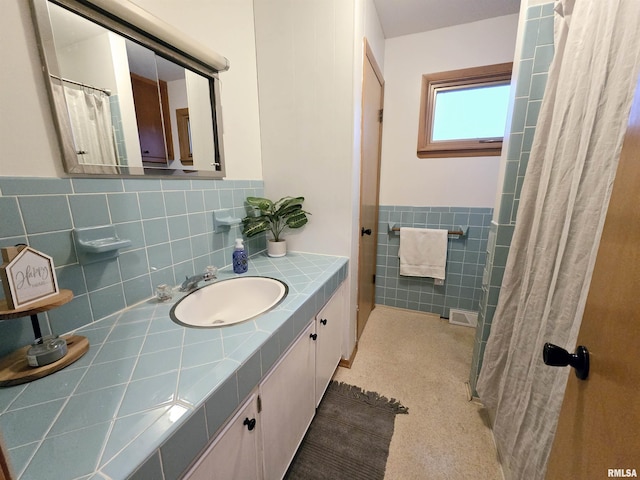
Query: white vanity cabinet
[283, 407]
[292, 391]
[235, 454]
[288, 404]
[329, 324]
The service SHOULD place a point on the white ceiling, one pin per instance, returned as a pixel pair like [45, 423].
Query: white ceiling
[403, 17]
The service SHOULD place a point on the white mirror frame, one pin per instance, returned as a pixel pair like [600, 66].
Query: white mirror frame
[142, 28]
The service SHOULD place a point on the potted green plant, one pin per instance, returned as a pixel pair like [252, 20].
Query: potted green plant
[274, 217]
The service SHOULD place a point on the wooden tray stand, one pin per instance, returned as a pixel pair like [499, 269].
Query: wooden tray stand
[14, 368]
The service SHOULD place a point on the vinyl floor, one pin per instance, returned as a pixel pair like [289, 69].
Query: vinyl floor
[424, 362]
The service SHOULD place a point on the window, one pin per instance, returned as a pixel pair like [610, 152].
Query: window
[463, 112]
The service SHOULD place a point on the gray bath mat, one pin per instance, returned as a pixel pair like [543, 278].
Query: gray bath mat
[349, 437]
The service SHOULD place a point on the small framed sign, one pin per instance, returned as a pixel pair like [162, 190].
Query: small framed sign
[27, 275]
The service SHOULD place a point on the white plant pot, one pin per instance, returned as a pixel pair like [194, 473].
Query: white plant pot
[276, 249]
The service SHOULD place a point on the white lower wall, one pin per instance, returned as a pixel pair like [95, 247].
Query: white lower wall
[458, 182]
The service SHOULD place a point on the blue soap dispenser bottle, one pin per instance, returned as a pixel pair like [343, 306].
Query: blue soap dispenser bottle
[240, 264]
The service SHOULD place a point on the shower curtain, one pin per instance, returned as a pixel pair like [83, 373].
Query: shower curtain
[90, 116]
[564, 199]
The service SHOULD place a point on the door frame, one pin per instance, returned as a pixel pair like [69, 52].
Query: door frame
[368, 57]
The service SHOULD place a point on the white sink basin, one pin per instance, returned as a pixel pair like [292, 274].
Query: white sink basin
[227, 302]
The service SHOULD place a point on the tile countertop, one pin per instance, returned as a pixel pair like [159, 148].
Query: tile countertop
[150, 393]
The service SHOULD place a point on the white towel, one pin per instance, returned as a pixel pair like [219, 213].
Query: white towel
[423, 252]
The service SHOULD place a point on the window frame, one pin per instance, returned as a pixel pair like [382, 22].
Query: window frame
[498, 74]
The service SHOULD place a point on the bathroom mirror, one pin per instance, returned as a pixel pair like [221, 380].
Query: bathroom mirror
[125, 102]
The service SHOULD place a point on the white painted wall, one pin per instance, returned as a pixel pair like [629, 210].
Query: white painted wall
[373, 32]
[310, 85]
[405, 178]
[305, 54]
[27, 136]
[89, 61]
[309, 58]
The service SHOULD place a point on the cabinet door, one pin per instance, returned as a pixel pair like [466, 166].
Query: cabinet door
[329, 325]
[146, 98]
[235, 454]
[288, 406]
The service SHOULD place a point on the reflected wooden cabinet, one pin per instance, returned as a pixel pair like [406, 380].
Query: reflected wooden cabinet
[184, 136]
[151, 102]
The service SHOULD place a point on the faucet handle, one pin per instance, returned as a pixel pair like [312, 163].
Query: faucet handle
[210, 273]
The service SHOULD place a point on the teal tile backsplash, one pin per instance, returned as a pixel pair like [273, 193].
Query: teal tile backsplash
[45, 213]
[89, 210]
[169, 223]
[11, 224]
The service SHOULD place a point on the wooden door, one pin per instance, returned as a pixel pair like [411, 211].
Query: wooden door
[599, 422]
[372, 101]
[148, 105]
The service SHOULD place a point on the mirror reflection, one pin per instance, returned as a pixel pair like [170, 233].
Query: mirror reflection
[130, 110]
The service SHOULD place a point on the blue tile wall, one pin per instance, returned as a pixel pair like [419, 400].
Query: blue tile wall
[169, 222]
[465, 259]
[536, 56]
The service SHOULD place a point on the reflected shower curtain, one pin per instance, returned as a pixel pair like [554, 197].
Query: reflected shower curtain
[90, 115]
[562, 209]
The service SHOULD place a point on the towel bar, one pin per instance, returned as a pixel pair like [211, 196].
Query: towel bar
[460, 231]
[450, 232]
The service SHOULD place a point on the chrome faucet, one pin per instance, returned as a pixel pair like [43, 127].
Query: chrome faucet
[192, 282]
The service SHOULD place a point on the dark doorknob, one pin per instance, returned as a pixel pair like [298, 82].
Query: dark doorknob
[555, 356]
[364, 232]
[251, 424]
